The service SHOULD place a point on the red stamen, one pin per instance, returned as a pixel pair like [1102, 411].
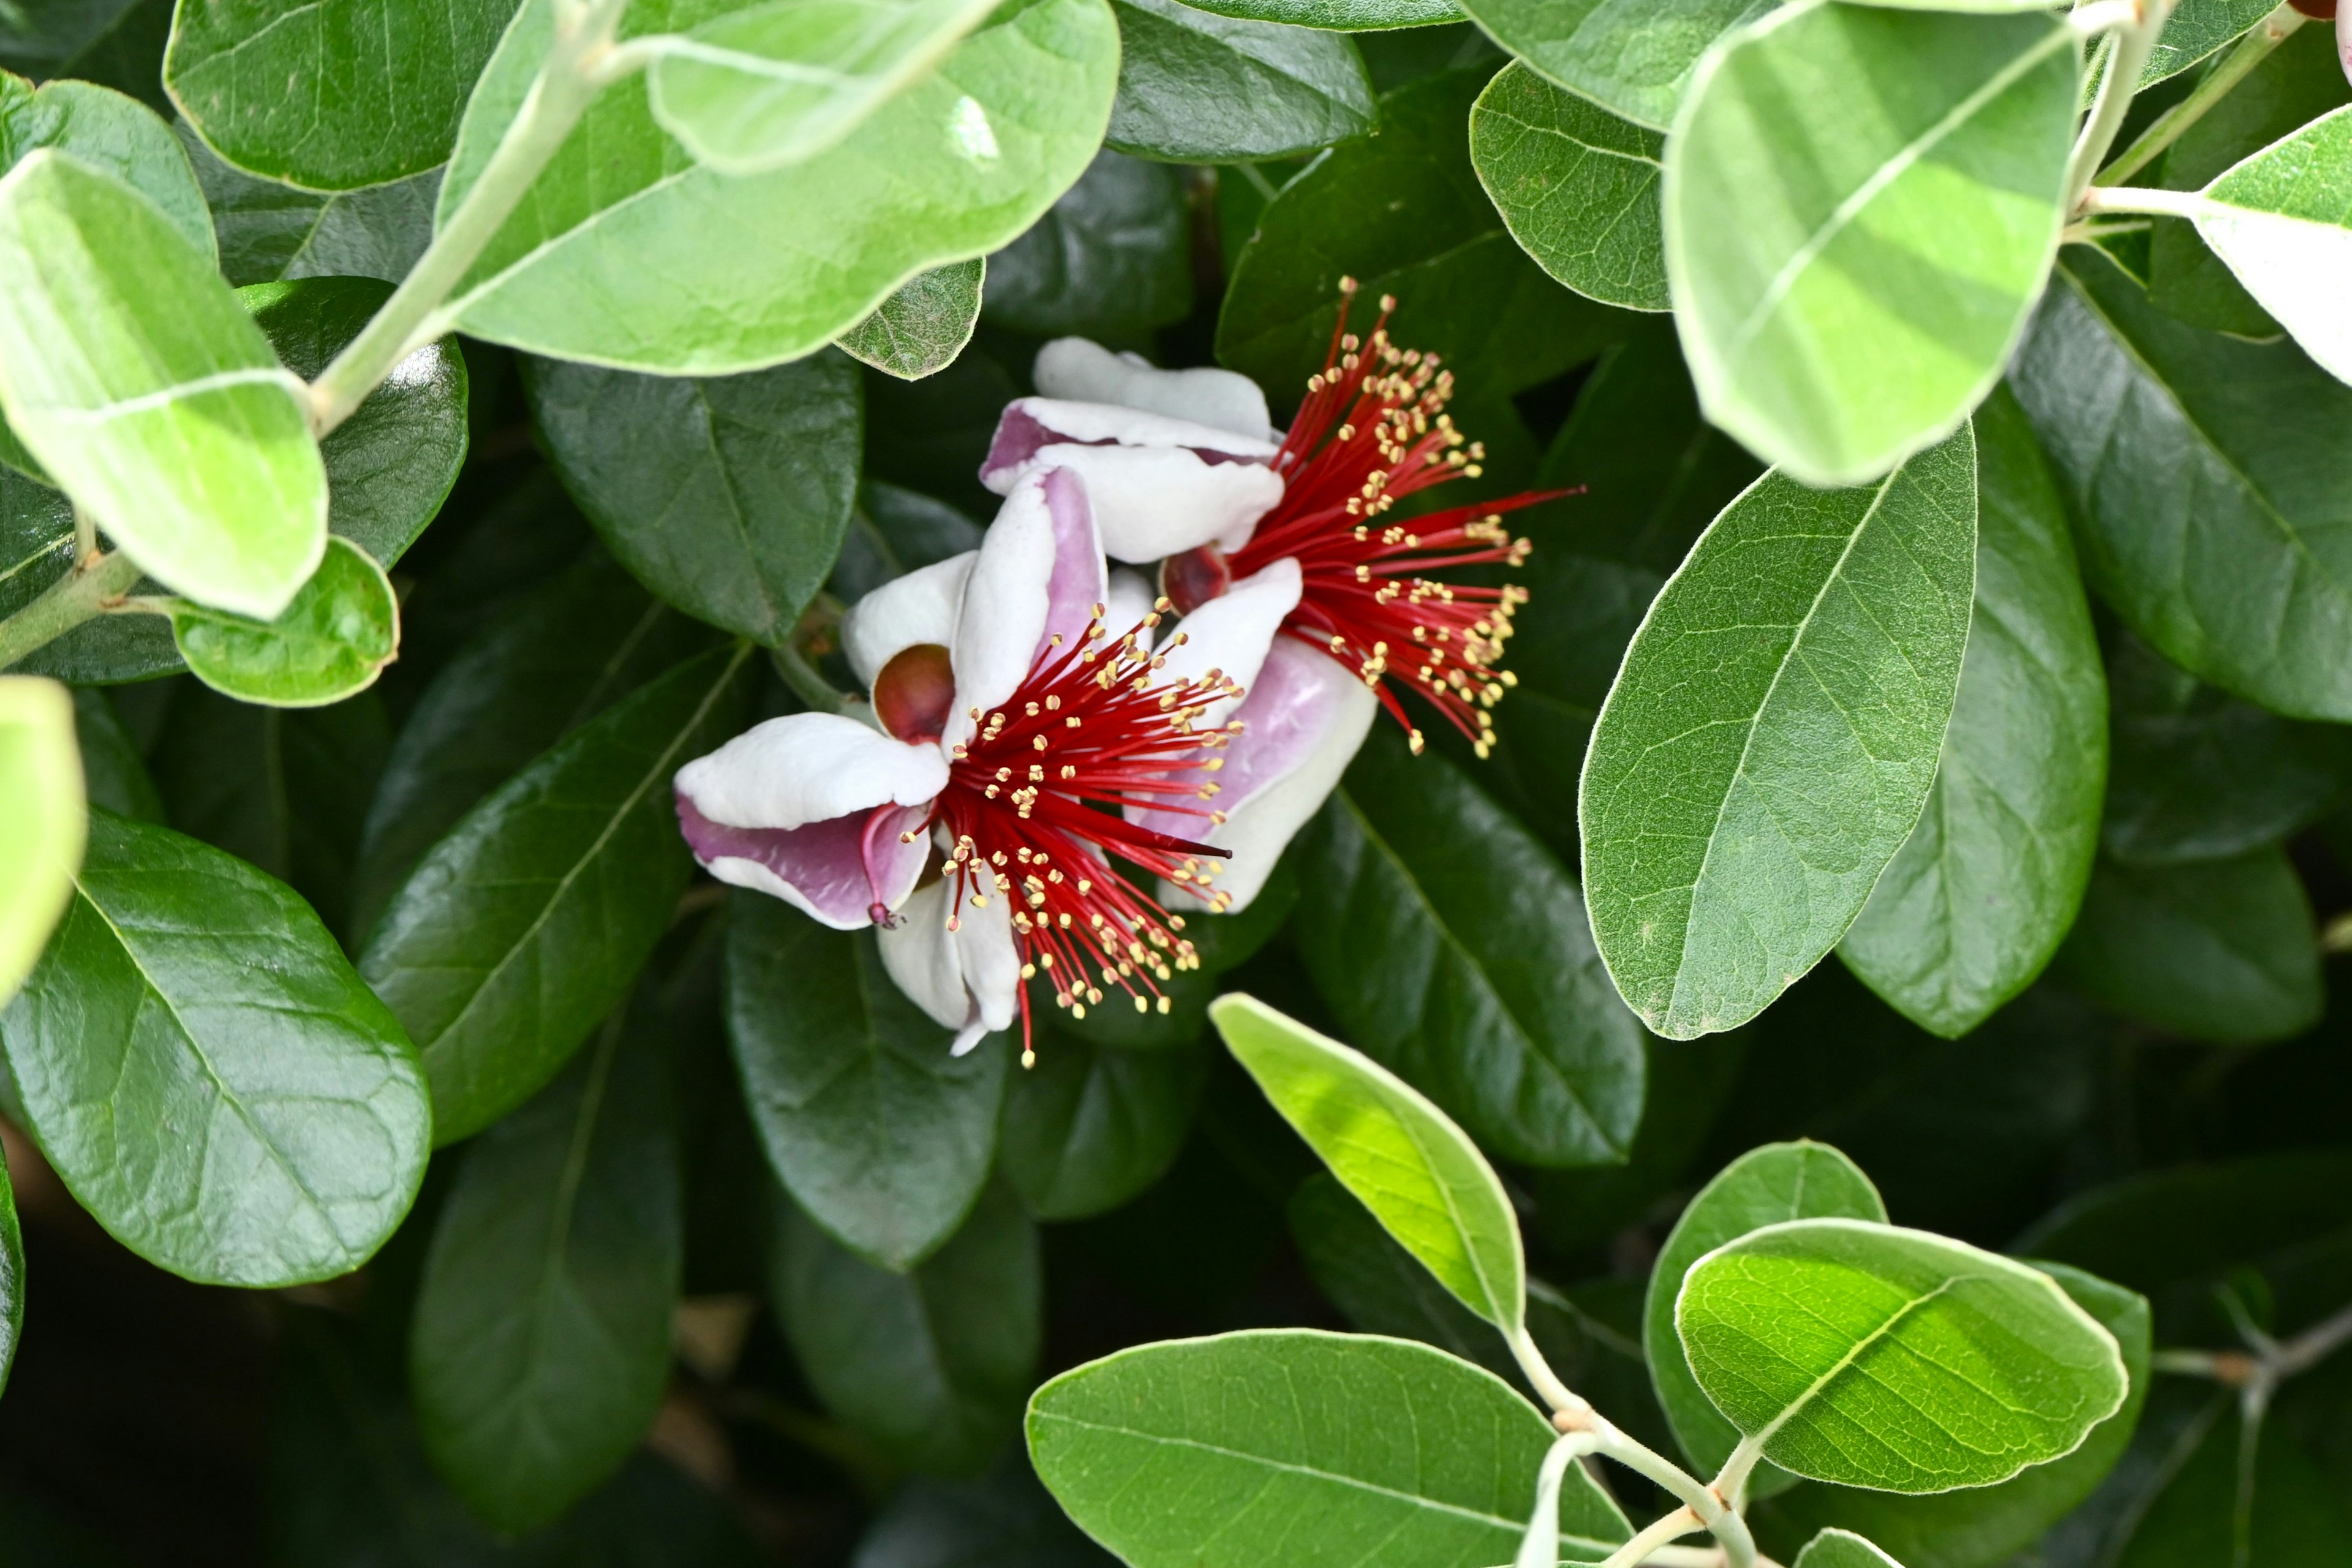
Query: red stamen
[1034, 805]
[1374, 429]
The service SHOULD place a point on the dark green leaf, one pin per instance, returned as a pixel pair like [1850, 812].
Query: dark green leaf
[1403, 214]
[920, 330]
[1452, 948]
[1111, 258]
[1087, 1128]
[330, 643]
[114, 775]
[1578, 186]
[1686, 1086]
[331, 97]
[726, 496]
[2216, 950]
[116, 43]
[541, 1344]
[1982, 891]
[939, 428]
[1341, 16]
[1379, 1287]
[208, 1076]
[528, 922]
[931, 1365]
[108, 131]
[1198, 87]
[876, 1132]
[1634, 58]
[1005, 1520]
[269, 231]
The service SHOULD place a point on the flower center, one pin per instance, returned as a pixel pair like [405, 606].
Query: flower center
[1373, 430]
[1034, 807]
[915, 692]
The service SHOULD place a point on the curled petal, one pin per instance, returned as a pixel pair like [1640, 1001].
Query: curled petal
[844, 872]
[809, 767]
[920, 607]
[1040, 573]
[1233, 632]
[1075, 370]
[1160, 486]
[968, 979]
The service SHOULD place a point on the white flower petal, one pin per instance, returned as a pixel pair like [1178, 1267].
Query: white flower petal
[1031, 423]
[1233, 632]
[1129, 599]
[1153, 502]
[991, 963]
[1075, 369]
[809, 767]
[920, 955]
[1040, 572]
[920, 607]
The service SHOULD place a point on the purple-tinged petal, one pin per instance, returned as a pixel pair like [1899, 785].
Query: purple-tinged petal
[840, 872]
[809, 767]
[1075, 370]
[968, 979]
[1040, 572]
[1158, 485]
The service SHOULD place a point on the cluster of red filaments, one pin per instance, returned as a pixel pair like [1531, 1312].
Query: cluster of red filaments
[1372, 431]
[1034, 805]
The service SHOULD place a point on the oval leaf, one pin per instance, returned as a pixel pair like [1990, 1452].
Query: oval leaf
[1633, 58]
[920, 330]
[333, 640]
[1213, 1453]
[1088, 1127]
[1982, 893]
[1578, 186]
[2282, 220]
[204, 1071]
[1198, 87]
[1341, 16]
[2195, 31]
[1773, 734]
[1918, 1364]
[268, 232]
[1113, 258]
[1420, 1175]
[130, 371]
[1843, 1549]
[528, 922]
[107, 131]
[1765, 1186]
[42, 832]
[1826, 137]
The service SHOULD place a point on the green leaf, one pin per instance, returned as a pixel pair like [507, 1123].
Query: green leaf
[110, 132]
[1895, 180]
[528, 922]
[765, 85]
[541, 1344]
[1687, 1088]
[42, 832]
[1773, 734]
[1982, 893]
[2205, 479]
[2216, 950]
[1378, 1286]
[727, 497]
[1418, 1174]
[1577, 185]
[932, 1365]
[1917, 1364]
[1770, 1186]
[576, 646]
[1213, 1453]
[1403, 213]
[701, 274]
[332, 642]
[2212, 1492]
[1087, 1128]
[2283, 222]
[1451, 943]
[207, 1075]
[114, 774]
[330, 97]
[1112, 258]
[1341, 16]
[2200, 775]
[920, 330]
[130, 371]
[1198, 87]
[1843, 1549]
[268, 232]
[1005, 1517]
[1634, 58]
[881, 1137]
[2196, 30]
[117, 42]
[1979, 1527]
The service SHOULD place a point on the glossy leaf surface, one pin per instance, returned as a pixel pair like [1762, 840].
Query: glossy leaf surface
[1577, 185]
[1198, 87]
[1088, 1128]
[268, 232]
[1112, 258]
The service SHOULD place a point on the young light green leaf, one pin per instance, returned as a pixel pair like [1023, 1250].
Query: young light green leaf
[271, 232]
[1112, 258]
[1917, 1364]
[1448, 941]
[1764, 1186]
[1577, 185]
[1843, 1549]
[769, 84]
[881, 1137]
[703, 274]
[1419, 1174]
[2283, 221]
[1341, 16]
[1982, 893]
[1210, 1454]
[108, 131]
[2217, 950]
[42, 831]
[2196, 30]
[540, 1344]
[203, 1070]
[1860, 206]
[332, 641]
[931, 1365]
[2205, 480]
[920, 330]
[1088, 1128]
[1634, 58]
[1773, 734]
[727, 497]
[528, 924]
[1381, 1289]
[330, 97]
[130, 371]
[1198, 87]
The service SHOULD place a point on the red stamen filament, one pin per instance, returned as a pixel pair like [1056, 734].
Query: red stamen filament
[1088, 728]
[1373, 430]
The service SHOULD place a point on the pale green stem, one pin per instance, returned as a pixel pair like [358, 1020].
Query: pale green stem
[85, 536]
[2250, 51]
[2143, 199]
[2134, 43]
[807, 682]
[1556, 1395]
[1706, 1504]
[80, 596]
[575, 70]
[1674, 1526]
[2314, 1345]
